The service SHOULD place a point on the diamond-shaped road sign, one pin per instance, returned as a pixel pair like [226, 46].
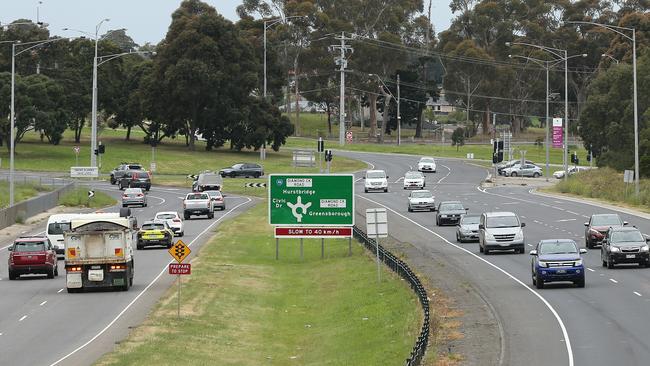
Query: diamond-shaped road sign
[179, 251]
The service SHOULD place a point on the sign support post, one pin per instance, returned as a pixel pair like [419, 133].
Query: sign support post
[277, 249]
[322, 248]
[301, 254]
[178, 308]
[179, 252]
[377, 227]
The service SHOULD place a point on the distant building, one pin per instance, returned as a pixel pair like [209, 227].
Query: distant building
[441, 105]
[305, 106]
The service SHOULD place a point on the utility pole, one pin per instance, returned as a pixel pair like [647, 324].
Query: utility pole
[399, 117]
[342, 62]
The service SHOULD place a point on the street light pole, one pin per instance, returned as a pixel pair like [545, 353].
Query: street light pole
[93, 136]
[11, 135]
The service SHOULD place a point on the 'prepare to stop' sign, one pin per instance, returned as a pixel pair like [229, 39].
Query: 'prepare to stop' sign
[180, 268]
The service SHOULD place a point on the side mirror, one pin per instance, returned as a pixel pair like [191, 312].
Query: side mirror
[11, 249]
[466, 208]
[625, 222]
[481, 226]
[523, 224]
[586, 224]
[387, 177]
[583, 251]
[533, 252]
[363, 178]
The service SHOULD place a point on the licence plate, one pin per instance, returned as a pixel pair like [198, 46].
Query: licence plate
[96, 275]
[561, 271]
[630, 256]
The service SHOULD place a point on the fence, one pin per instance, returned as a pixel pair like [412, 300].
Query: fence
[403, 270]
[36, 205]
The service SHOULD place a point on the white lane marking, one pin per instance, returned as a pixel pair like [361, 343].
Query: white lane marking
[613, 280]
[0, 334]
[449, 172]
[43, 303]
[35, 234]
[572, 213]
[162, 200]
[372, 166]
[410, 167]
[590, 270]
[565, 333]
[164, 270]
[356, 181]
[585, 216]
[23, 318]
[636, 293]
[510, 203]
[558, 208]
[58, 292]
[565, 220]
[184, 197]
[530, 245]
[397, 181]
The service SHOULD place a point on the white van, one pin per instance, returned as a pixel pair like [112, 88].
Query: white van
[56, 225]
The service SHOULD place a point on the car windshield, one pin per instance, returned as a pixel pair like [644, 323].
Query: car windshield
[604, 220]
[425, 194]
[561, 247]
[451, 207]
[626, 236]
[238, 166]
[143, 175]
[413, 175]
[502, 221]
[197, 196]
[135, 167]
[57, 228]
[30, 246]
[153, 227]
[375, 175]
[166, 216]
[470, 220]
[427, 160]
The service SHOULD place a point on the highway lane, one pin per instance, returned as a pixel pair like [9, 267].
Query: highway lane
[606, 322]
[40, 323]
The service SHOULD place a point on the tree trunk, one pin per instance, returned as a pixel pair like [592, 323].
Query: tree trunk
[372, 100]
[128, 133]
[360, 108]
[77, 133]
[384, 117]
[418, 126]
[329, 120]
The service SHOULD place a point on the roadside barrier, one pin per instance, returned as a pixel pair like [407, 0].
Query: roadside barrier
[403, 270]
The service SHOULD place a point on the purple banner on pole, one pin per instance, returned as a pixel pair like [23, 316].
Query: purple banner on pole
[558, 138]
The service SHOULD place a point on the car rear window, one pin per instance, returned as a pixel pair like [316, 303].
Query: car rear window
[132, 190]
[165, 216]
[135, 167]
[376, 175]
[30, 246]
[143, 175]
[426, 160]
[57, 228]
[197, 196]
[153, 227]
[470, 220]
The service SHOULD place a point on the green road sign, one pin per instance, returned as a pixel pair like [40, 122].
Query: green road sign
[311, 199]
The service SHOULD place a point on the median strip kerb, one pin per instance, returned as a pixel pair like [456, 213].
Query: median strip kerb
[164, 270]
[565, 334]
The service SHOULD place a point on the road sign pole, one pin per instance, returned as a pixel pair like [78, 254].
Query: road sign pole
[377, 245]
[322, 248]
[277, 249]
[301, 250]
[350, 247]
[178, 310]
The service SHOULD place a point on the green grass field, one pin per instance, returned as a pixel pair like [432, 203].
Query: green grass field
[172, 156]
[484, 152]
[78, 197]
[22, 191]
[242, 307]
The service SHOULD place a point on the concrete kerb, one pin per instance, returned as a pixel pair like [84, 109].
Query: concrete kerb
[592, 202]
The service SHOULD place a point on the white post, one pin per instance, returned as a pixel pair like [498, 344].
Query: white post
[566, 113]
[11, 135]
[547, 127]
[93, 132]
[342, 94]
[399, 117]
[264, 59]
[636, 117]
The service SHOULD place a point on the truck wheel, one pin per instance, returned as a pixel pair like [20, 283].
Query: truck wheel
[186, 216]
[113, 181]
[56, 270]
[211, 215]
[580, 283]
[148, 188]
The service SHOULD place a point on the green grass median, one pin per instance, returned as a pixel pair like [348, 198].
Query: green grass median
[242, 307]
[78, 197]
[22, 192]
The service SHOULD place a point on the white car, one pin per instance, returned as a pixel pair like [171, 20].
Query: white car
[421, 200]
[414, 180]
[427, 164]
[572, 170]
[376, 180]
[174, 221]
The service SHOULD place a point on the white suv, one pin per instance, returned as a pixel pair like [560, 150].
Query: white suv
[376, 180]
[501, 231]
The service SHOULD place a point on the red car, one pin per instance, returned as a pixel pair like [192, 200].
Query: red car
[32, 255]
[597, 227]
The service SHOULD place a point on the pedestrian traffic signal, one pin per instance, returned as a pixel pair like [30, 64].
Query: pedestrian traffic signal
[101, 149]
[574, 158]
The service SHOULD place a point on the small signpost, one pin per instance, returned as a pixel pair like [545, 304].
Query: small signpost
[91, 194]
[628, 177]
[179, 252]
[377, 227]
[84, 172]
[76, 149]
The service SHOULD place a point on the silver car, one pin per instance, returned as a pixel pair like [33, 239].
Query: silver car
[414, 180]
[528, 170]
[467, 228]
[134, 196]
[421, 200]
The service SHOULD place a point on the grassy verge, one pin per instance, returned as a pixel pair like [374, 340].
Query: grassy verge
[605, 184]
[78, 197]
[22, 191]
[171, 156]
[242, 307]
[484, 152]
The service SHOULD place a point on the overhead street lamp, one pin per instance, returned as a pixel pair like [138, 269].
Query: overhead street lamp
[620, 31]
[399, 118]
[546, 64]
[31, 45]
[607, 55]
[562, 56]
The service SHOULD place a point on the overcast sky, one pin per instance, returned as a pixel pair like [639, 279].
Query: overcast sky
[145, 20]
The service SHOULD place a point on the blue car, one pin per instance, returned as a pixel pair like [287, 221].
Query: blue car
[557, 260]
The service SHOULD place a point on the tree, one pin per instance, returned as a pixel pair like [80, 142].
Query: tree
[458, 138]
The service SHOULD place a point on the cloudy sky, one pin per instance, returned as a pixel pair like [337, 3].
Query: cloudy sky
[145, 20]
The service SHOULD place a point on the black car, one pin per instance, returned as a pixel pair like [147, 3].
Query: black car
[118, 173]
[449, 212]
[243, 170]
[135, 179]
[624, 245]
[207, 182]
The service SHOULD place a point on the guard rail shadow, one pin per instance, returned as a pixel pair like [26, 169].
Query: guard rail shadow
[403, 270]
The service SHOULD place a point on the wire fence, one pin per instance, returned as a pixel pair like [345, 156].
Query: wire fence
[403, 270]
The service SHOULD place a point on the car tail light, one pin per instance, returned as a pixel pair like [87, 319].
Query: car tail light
[140, 194]
[117, 267]
[177, 220]
[73, 269]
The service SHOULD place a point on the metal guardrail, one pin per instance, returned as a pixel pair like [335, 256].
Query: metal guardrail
[403, 270]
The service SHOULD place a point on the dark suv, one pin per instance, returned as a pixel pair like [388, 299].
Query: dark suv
[117, 173]
[596, 228]
[135, 179]
[449, 212]
[243, 170]
[624, 245]
[32, 255]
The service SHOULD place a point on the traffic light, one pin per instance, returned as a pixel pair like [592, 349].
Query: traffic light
[321, 144]
[574, 158]
[499, 151]
[101, 149]
[328, 155]
[589, 157]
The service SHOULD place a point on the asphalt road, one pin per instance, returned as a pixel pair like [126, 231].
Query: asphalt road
[41, 324]
[603, 324]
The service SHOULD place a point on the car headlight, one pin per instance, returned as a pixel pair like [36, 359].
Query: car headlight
[542, 264]
[578, 263]
[519, 235]
[645, 248]
[443, 216]
[489, 236]
[614, 249]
